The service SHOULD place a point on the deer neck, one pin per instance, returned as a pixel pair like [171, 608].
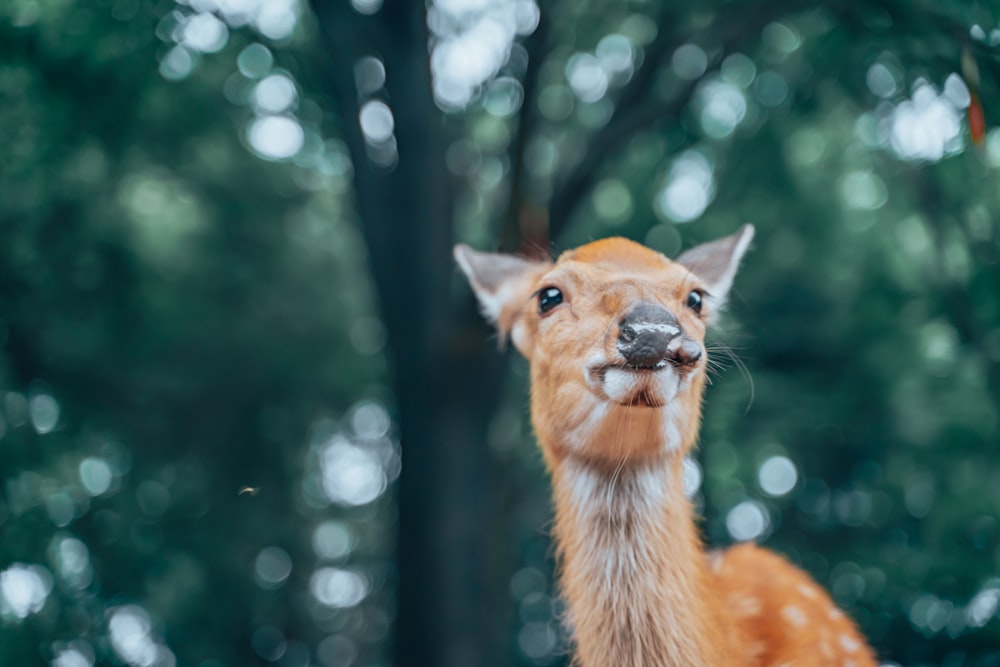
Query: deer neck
[632, 567]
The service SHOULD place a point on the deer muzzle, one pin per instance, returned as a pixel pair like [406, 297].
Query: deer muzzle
[650, 338]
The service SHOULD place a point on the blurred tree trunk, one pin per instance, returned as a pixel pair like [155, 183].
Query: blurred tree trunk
[445, 376]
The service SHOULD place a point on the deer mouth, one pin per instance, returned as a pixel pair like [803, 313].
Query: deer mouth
[599, 372]
[637, 368]
[634, 386]
[645, 399]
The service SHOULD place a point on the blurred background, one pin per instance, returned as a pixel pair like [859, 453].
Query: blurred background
[250, 416]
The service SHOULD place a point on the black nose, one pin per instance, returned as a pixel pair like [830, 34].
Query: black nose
[650, 337]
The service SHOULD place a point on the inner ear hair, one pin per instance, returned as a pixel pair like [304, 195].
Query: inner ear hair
[488, 270]
[501, 282]
[716, 262]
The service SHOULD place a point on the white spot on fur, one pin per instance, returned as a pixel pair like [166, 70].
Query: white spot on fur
[849, 643]
[715, 559]
[807, 591]
[793, 615]
[746, 606]
[835, 614]
[755, 650]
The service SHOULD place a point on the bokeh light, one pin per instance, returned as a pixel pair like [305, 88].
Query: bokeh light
[983, 606]
[203, 32]
[616, 54]
[369, 75]
[472, 41]
[71, 560]
[739, 70]
[23, 590]
[367, 6]
[377, 122]
[274, 94]
[95, 475]
[44, 412]
[723, 108]
[272, 567]
[352, 475]
[881, 80]
[275, 137]
[255, 61]
[131, 635]
[777, 476]
[689, 188]
[73, 657]
[332, 540]
[863, 190]
[689, 61]
[747, 520]
[335, 587]
[927, 126]
[586, 77]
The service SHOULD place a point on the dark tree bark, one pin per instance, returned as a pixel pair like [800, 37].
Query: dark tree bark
[445, 376]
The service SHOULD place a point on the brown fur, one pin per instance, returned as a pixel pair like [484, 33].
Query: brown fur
[640, 589]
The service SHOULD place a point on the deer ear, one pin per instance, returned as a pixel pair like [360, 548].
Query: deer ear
[715, 263]
[503, 285]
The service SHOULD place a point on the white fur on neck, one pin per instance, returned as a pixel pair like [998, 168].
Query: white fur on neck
[598, 496]
[617, 525]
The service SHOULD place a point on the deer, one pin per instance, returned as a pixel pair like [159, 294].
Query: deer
[614, 334]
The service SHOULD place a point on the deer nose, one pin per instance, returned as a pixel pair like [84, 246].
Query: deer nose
[646, 335]
[682, 351]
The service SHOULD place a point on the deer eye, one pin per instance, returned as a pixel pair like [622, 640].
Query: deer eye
[694, 301]
[548, 298]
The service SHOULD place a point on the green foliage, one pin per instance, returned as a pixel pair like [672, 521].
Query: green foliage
[198, 426]
[180, 321]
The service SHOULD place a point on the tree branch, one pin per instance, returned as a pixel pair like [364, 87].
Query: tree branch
[631, 116]
[512, 225]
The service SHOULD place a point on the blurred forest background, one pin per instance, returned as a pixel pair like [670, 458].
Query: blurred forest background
[249, 415]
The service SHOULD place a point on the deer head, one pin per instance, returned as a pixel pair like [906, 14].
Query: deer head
[614, 333]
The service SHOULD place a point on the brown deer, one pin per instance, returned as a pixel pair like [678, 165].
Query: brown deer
[614, 333]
